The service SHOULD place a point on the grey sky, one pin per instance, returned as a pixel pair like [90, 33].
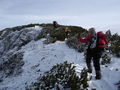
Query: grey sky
[85, 13]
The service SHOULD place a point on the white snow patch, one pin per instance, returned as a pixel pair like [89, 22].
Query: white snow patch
[37, 28]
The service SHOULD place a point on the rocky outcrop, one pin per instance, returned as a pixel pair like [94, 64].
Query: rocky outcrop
[16, 39]
[11, 56]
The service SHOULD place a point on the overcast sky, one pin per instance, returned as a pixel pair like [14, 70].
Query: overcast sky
[85, 13]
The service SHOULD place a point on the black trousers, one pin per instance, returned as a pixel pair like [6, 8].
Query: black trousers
[93, 55]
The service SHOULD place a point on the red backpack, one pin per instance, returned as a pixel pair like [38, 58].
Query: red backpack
[101, 40]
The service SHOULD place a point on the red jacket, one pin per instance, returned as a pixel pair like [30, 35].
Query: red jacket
[101, 42]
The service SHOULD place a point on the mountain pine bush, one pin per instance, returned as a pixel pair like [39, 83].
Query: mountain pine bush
[72, 42]
[12, 65]
[106, 58]
[55, 34]
[115, 45]
[61, 76]
[59, 33]
[75, 30]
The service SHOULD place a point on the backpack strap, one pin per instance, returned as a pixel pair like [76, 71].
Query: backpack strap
[93, 41]
[97, 43]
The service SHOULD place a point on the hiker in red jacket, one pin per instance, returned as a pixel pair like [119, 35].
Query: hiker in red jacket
[96, 44]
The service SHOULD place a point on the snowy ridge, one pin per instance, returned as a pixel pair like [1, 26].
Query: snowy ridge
[39, 58]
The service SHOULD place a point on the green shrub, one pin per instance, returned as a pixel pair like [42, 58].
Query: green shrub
[59, 34]
[12, 65]
[72, 42]
[115, 48]
[115, 45]
[43, 33]
[75, 30]
[61, 76]
[115, 37]
[50, 40]
[106, 59]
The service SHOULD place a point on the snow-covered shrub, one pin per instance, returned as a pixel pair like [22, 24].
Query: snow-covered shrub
[55, 34]
[72, 42]
[115, 45]
[115, 37]
[115, 48]
[106, 58]
[59, 32]
[43, 33]
[12, 66]
[49, 40]
[60, 77]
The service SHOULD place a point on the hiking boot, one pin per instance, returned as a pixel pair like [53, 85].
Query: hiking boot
[98, 75]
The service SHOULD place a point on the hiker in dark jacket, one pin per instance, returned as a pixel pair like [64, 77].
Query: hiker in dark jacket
[96, 44]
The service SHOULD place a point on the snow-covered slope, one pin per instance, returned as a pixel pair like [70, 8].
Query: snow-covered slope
[39, 58]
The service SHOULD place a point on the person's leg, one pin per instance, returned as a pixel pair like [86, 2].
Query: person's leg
[96, 61]
[88, 62]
